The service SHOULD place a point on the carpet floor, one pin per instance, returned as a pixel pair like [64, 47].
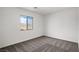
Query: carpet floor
[42, 44]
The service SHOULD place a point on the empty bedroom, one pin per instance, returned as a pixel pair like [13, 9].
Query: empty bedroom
[39, 29]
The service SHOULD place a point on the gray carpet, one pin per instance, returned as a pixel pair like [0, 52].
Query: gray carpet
[48, 48]
[42, 44]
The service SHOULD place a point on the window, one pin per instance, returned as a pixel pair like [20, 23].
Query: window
[26, 23]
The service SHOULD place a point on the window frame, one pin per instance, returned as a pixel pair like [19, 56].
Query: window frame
[27, 17]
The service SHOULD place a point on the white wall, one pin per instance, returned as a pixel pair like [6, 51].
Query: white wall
[1, 33]
[10, 30]
[62, 25]
[78, 27]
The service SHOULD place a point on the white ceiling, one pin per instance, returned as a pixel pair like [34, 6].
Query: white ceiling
[45, 10]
